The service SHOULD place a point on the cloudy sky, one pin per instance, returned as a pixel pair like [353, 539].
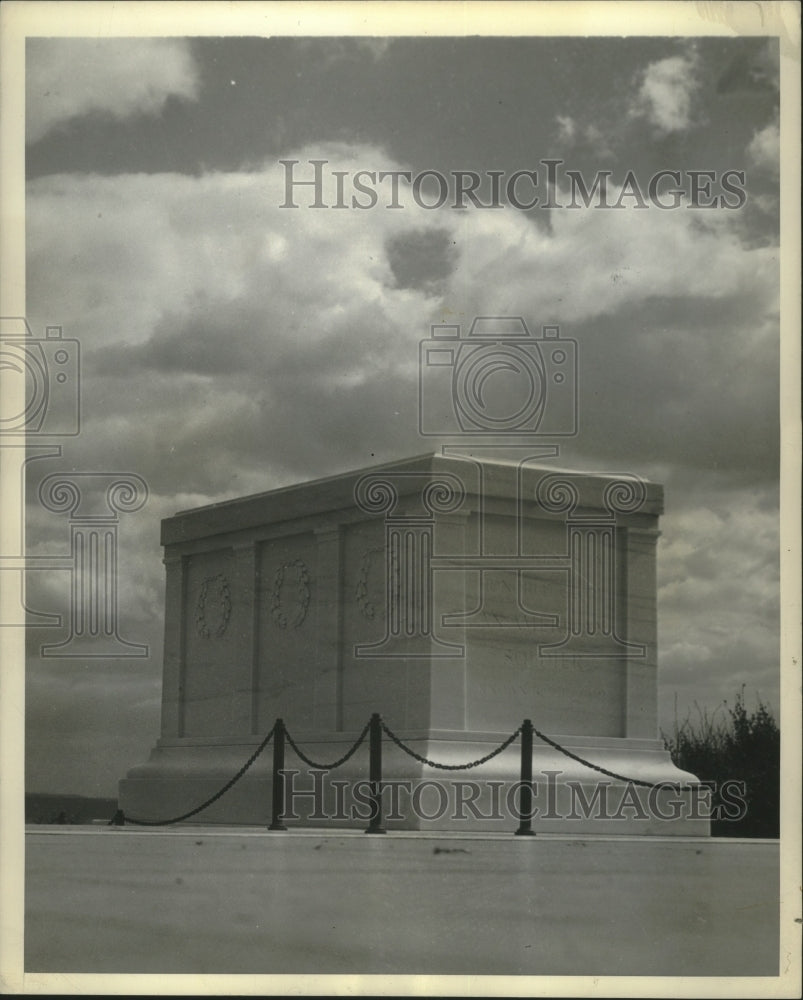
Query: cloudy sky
[230, 345]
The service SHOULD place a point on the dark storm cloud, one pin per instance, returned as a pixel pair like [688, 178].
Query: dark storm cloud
[434, 103]
[754, 67]
[689, 381]
[75, 708]
[231, 346]
[421, 259]
[230, 335]
[139, 75]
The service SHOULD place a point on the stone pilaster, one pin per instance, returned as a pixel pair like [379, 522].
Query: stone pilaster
[641, 683]
[328, 690]
[244, 665]
[174, 646]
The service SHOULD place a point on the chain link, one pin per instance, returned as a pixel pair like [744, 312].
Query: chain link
[209, 801]
[341, 760]
[450, 767]
[675, 786]
[611, 774]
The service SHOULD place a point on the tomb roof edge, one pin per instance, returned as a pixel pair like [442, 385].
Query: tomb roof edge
[502, 478]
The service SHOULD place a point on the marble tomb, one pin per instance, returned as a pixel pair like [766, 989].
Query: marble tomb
[455, 596]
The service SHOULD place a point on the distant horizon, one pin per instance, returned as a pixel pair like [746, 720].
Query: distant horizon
[698, 725]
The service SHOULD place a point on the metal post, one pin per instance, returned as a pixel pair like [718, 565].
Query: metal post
[526, 809]
[375, 774]
[278, 777]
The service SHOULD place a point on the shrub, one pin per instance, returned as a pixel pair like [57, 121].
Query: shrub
[740, 745]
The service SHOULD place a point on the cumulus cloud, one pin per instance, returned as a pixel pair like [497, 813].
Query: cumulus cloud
[765, 149]
[718, 552]
[329, 51]
[665, 94]
[231, 346]
[567, 127]
[268, 315]
[201, 330]
[584, 135]
[114, 76]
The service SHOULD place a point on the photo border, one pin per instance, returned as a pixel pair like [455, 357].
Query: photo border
[19, 20]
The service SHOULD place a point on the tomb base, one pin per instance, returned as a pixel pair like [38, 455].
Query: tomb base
[568, 797]
[451, 594]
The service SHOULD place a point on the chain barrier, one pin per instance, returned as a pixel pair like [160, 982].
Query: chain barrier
[193, 812]
[375, 726]
[328, 767]
[449, 767]
[611, 774]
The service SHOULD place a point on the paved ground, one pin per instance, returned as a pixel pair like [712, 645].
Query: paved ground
[198, 900]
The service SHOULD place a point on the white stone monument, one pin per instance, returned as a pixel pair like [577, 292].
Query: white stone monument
[455, 597]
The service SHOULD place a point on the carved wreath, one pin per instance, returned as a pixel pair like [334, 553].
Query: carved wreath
[299, 600]
[214, 601]
[367, 608]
